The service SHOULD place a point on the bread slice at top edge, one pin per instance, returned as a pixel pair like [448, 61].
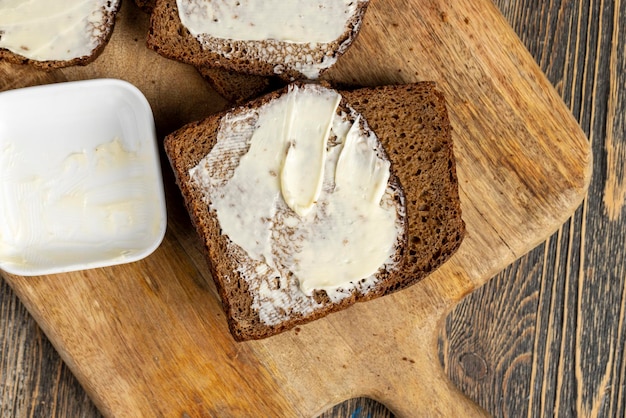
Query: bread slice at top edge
[234, 87]
[101, 32]
[412, 125]
[170, 38]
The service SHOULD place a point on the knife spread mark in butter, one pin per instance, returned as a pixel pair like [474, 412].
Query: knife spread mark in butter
[309, 122]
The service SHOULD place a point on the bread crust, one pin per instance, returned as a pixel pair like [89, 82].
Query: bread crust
[169, 37]
[423, 166]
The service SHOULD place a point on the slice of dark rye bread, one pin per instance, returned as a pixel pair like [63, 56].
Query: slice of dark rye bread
[104, 28]
[170, 38]
[411, 122]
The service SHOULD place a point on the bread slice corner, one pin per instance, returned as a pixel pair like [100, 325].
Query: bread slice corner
[238, 88]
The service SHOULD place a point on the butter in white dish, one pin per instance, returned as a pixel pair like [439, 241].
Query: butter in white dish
[82, 187]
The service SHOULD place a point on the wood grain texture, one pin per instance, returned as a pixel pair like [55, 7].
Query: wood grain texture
[33, 380]
[546, 337]
[148, 339]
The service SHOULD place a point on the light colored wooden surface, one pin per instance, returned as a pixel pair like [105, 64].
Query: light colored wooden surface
[149, 338]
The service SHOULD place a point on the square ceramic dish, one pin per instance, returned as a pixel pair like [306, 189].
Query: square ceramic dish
[80, 178]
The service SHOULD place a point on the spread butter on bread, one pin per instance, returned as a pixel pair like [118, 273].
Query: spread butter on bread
[308, 200]
[54, 34]
[293, 40]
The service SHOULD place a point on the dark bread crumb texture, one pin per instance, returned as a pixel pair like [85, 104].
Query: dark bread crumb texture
[146, 5]
[170, 38]
[105, 28]
[412, 124]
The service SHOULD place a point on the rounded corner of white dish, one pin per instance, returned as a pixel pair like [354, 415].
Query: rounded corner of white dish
[83, 187]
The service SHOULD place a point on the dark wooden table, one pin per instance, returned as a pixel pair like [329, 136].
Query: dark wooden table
[543, 338]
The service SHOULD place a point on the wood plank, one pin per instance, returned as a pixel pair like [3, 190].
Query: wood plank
[34, 381]
[524, 166]
[568, 355]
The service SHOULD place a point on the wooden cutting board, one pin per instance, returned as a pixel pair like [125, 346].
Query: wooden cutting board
[149, 338]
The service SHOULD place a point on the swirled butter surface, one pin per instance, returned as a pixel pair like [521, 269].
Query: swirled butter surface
[47, 30]
[86, 205]
[301, 188]
[314, 21]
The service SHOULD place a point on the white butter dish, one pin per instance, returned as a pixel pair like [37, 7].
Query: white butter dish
[80, 178]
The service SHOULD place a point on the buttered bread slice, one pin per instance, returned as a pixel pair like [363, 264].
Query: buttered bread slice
[53, 34]
[301, 208]
[293, 40]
